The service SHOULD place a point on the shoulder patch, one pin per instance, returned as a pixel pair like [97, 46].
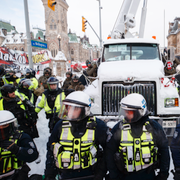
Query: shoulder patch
[175, 134]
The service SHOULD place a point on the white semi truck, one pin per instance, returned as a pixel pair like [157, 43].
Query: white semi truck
[134, 65]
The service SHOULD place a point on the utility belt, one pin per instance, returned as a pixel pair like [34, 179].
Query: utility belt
[119, 161]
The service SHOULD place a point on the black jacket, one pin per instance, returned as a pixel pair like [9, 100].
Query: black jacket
[175, 147]
[136, 131]
[51, 96]
[78, 129]
[27, 149]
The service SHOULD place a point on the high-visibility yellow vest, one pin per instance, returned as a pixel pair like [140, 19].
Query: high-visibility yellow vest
[44, 104]
[8, 161]
[23, 96]
[138, 153]
[75, 153]
[19, 102]
[6, 81]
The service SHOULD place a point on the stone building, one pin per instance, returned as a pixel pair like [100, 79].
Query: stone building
[173, 37]
[56, 36]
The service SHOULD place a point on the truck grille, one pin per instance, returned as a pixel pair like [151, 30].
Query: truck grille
[114, 92]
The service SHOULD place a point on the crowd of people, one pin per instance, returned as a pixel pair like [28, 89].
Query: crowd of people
[80, 146]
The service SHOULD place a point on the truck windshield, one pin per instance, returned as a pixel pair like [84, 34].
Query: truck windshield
[133, 51]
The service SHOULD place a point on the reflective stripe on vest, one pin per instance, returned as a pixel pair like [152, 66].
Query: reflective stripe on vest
[57, 104]
[138, 153]
[75, 153]
[6, 81]
[23, 96]
[8, 161]
[19, 102]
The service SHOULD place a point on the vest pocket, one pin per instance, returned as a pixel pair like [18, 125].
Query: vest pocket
[146, 155]
[65, 160]
[85, 156]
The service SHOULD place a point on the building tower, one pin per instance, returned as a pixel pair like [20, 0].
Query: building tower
[56, 24]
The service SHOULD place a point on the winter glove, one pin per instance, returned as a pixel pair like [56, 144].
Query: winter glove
[162, 176]
[11, 146]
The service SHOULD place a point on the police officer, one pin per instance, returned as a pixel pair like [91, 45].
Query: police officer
[23, 91]
[175, 150]
[136, 141]
[76, 143]
[22, 109]
[51, 101]
[30, 74]
[16, 148]
[10, 78]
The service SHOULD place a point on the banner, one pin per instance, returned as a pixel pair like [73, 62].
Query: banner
[19, 57]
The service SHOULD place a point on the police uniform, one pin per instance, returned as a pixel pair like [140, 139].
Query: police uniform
[175, 150]
[17, 107]
[51, 101]
[75, 146]
[132, 151]
[14, 164]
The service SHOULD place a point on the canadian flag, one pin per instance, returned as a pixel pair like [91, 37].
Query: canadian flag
[169, 65]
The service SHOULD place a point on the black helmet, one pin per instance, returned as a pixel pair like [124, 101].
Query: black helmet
[25, 83]
[70, 73]
[52, 80]
[2, 71]
[47, 70]
[75, 77]
[30, 73]
[7, 88]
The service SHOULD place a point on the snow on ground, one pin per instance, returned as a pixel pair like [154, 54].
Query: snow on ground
[42, 125]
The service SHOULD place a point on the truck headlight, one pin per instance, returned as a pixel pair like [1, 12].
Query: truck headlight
[171, 102]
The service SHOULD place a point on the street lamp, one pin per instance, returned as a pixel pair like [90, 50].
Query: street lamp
[59, 38]
[100, 23]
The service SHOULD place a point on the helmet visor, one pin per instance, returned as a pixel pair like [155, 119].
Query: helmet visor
[72, 112]
[7, 130]
[129, 114]
[26, 84]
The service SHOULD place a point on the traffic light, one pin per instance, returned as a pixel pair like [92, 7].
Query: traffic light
[51, 4]
[83, 24]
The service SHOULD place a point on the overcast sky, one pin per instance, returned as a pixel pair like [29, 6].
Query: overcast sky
[13, 11]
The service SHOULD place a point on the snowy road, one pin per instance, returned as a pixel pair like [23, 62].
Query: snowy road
[41, 142]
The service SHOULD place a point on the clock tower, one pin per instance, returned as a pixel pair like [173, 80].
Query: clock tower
[56, 27]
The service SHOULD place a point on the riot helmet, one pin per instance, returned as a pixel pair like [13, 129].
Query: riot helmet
[6, 89]
[25, 83]
[47, 72]
[75, 107]
[133, 107]
[52, 81]
[2, 71]
[30, 73]
[8, 124]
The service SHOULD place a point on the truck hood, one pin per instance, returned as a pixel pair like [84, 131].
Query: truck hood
[139, 69]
